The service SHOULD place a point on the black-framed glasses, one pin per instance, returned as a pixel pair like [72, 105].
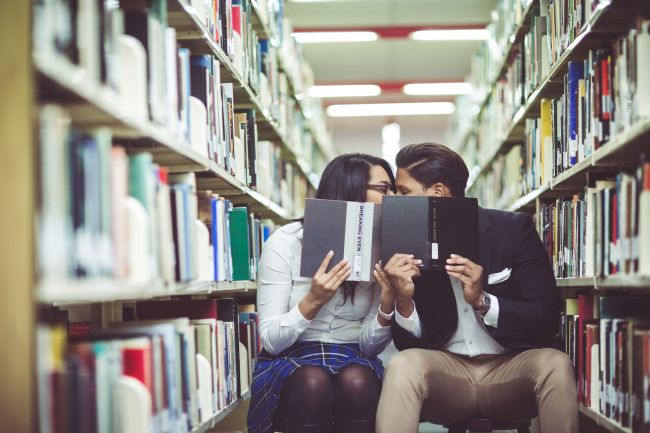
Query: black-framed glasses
[383, 188]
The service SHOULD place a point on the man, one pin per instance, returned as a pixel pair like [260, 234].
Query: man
[474, 338]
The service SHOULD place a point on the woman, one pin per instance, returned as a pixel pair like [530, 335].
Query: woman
[318, 371]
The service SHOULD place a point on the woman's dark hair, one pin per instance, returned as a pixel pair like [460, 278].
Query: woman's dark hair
[430, 163]
[346, 178]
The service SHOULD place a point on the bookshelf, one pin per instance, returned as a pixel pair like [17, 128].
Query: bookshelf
[295, 144]
[608, 23]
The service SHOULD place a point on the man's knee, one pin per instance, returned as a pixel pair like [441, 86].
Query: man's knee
[406, 366]
[554, 365]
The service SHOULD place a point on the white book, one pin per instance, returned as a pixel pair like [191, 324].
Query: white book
[642, 94]
[171, 77]
[88, 38]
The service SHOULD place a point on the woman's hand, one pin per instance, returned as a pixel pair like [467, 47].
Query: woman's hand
[387, 297]
[323, 286]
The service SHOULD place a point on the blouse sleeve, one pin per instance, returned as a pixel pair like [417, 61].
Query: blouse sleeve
[373, 337]
[279, 326]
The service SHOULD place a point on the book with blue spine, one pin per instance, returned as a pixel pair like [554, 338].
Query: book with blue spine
[575, 74]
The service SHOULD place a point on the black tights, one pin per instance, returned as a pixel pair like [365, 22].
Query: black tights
[312, 401]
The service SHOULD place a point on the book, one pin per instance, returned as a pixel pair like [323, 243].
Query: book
[429, 228]
[351, 230]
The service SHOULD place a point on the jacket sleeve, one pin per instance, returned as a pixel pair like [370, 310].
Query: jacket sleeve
[532, 316]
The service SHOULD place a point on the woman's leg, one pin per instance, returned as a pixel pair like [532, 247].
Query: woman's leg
[306, 401]
[356, 394]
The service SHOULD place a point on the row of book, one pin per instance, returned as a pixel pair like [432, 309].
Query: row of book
[130, 49]
[105, 213]
[603, 231]
[502, 183]
[601, 97]
[258, 62]
[608, 341]
[170, 368]
[552, 26]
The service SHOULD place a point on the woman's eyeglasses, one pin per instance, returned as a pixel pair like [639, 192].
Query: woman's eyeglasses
[383, 188]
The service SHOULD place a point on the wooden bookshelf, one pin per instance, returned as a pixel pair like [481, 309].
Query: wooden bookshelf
[602, 420]
[212, 423]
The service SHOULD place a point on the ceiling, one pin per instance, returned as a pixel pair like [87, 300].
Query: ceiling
[388, 60]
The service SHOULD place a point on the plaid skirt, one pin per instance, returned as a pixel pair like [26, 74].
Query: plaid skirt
[271, 371]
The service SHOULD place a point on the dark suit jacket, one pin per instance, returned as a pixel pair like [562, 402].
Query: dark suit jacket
[529, 301]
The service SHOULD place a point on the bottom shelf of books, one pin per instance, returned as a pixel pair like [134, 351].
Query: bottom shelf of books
[175, 365]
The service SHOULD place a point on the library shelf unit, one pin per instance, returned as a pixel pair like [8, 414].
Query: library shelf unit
[38, 79]
[619, 153]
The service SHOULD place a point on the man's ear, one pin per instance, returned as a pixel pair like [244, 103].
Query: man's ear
[438, 189]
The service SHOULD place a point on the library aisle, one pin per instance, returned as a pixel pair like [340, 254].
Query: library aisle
[151, 147]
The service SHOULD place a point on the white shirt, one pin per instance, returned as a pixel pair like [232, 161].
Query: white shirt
[281, 288]
[471, 337]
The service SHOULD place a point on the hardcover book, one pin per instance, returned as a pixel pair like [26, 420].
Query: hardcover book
[430, 228]
[350, 229]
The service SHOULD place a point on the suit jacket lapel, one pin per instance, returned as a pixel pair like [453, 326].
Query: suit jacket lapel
[485, 243]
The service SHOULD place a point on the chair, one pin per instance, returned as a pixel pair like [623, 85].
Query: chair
[483, 425]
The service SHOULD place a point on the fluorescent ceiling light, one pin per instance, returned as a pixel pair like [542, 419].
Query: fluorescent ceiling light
[344, 91]
[437, 89]
[325, 37]
[391, 109]
[451, 35]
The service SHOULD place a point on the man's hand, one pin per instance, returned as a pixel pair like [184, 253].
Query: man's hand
[401, 269]
[471, 277]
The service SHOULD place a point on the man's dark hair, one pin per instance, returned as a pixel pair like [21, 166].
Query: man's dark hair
[430, 163]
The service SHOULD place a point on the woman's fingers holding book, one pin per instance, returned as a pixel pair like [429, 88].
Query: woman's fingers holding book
[324, 264]
[340, 277]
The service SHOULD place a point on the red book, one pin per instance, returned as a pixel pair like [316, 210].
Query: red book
[193, 309]
[236, 18]
[137, 362]
[585, 312]
[605, 92]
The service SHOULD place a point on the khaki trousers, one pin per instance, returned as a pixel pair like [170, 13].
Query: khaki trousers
[443, 388]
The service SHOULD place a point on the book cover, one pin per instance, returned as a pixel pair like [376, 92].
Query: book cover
[350, 229]
[430, 228]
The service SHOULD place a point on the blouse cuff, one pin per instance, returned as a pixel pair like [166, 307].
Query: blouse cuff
[294, 319]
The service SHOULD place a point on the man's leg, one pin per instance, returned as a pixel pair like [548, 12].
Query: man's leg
[538, 381]
[436, 383]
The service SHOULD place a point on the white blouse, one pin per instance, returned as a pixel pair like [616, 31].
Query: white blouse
[281, 288]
